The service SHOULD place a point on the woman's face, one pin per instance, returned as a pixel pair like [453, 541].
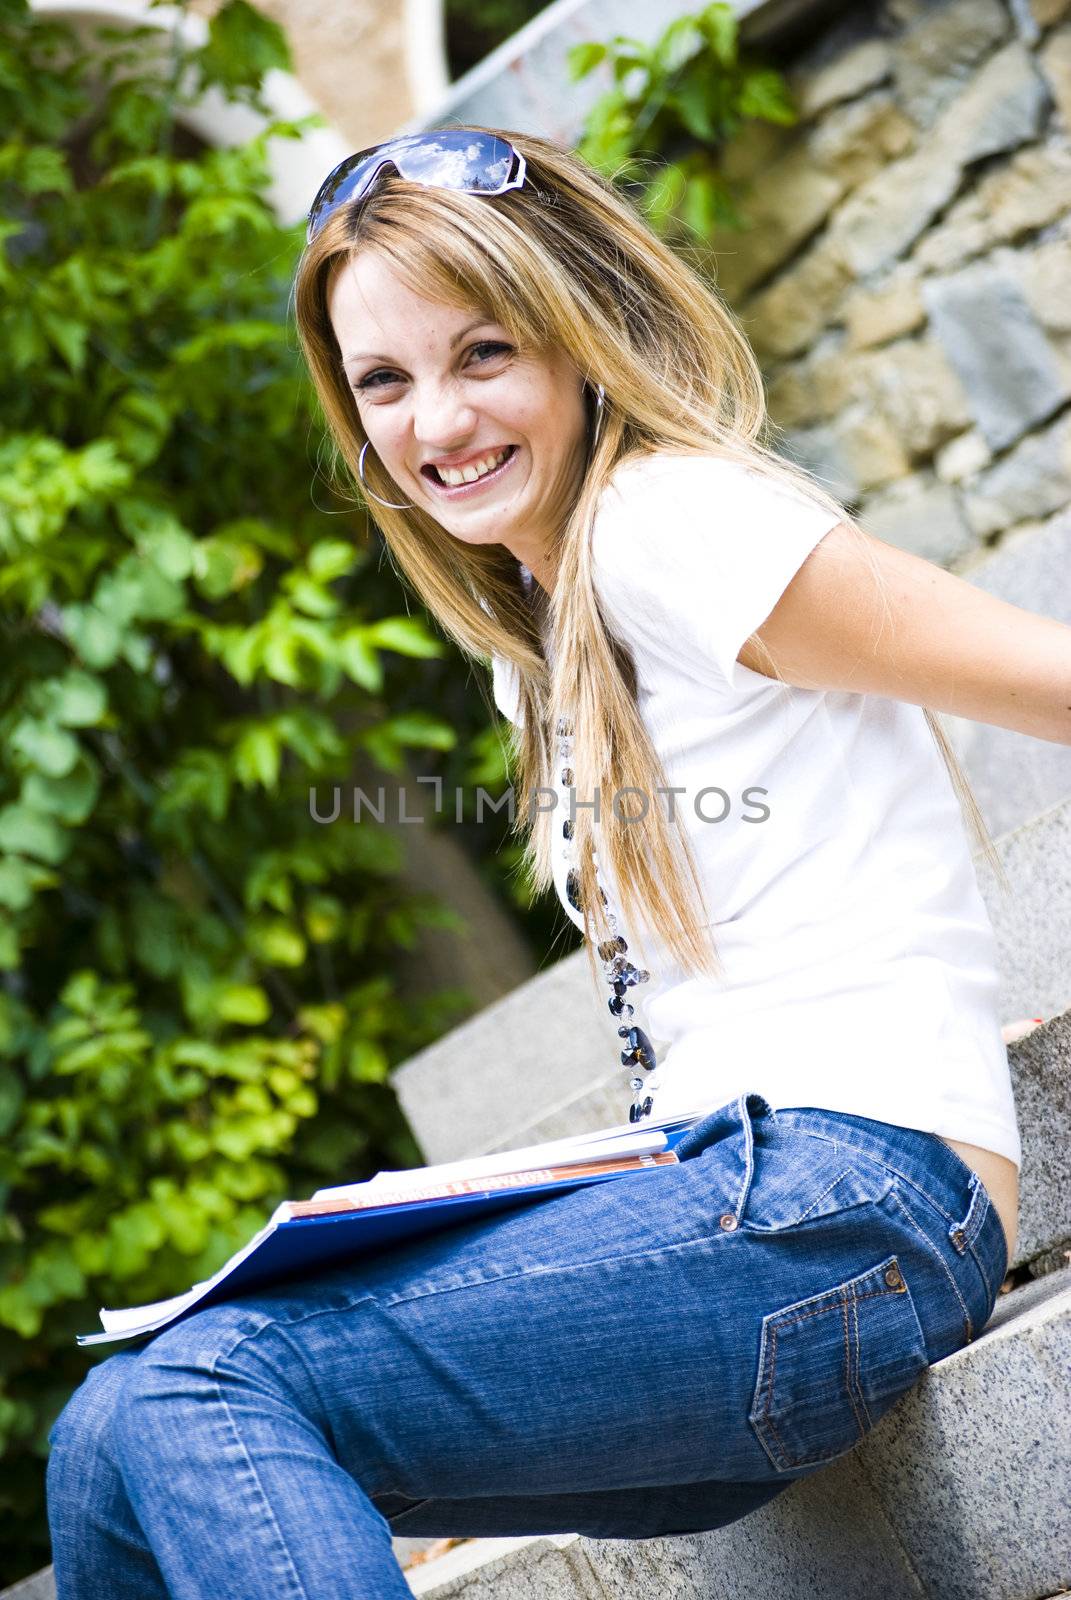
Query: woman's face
[440, 392]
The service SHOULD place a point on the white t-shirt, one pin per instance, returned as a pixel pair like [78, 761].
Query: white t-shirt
[860, 958]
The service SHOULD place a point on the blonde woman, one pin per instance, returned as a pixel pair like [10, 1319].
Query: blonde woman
[560, 430]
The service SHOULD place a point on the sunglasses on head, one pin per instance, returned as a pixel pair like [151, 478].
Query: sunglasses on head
[446, 158]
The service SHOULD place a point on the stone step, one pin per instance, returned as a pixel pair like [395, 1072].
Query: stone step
[1014, 777]
[1032, 922]
[931, 1506]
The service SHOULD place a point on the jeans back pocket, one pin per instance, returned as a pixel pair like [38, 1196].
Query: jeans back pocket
[831, 1365]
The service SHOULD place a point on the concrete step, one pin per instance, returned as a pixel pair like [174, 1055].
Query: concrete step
[931, 1506]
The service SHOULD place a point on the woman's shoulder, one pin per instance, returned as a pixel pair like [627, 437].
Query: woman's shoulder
[731, 479]
[635, 472]
[671, 504]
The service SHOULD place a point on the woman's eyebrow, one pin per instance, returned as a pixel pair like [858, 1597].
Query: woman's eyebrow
[480, 322]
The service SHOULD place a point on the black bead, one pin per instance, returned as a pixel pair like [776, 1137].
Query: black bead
[567, 829]
[640, 1047]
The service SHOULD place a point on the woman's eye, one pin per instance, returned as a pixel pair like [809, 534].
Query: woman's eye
[384, 375]
[370, 381]
[493, 345]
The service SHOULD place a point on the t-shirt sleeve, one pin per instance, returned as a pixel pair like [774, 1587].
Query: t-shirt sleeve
[695, 552]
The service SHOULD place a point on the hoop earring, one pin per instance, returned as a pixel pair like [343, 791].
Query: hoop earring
[600, 399]
[371, 492]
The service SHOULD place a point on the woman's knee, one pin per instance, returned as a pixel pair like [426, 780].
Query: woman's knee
[88, 1415]
[177, 1370]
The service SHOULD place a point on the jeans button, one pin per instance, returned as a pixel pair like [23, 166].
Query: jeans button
[893, 1278]
[728, 1222]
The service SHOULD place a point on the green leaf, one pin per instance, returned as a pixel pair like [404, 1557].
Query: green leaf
[584, 58]
[664, 194]
[278, 943]
[96, 637]
[53, 751]
[30, 833]
[330, 559]
[360, 661]
[718, 23]
[257, 757]
[70, 799]
[368, 1062]
[700, 209]
[77, 700]
[766, 95]
[408, 635]
[241, 1002]
[158, 535]
[242, 46]
[421, 728]
[16, 883]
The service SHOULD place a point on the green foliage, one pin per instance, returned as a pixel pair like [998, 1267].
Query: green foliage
[198, 1008]
[672, 107]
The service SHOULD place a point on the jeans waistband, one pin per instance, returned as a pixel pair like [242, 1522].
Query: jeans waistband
[924, 1160]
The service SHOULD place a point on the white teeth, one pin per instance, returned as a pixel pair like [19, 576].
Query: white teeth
[452, 476]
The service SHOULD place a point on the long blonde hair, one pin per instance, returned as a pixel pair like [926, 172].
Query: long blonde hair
[565, 262]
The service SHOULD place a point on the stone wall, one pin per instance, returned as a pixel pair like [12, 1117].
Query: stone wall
[906, 281]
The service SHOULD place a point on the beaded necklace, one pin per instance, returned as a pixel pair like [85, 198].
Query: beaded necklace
[620, 973]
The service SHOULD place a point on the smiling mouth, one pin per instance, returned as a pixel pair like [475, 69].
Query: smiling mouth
[471, 479]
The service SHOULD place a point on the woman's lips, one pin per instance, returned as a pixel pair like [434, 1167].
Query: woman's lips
[460, 490]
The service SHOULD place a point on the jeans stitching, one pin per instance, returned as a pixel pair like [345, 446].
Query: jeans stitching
[298, 1590]
[990, 1297]
[851, 1381]
[924, 1236]
[821, 1197]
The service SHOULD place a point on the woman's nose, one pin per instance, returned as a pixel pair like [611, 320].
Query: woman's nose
[442, 419]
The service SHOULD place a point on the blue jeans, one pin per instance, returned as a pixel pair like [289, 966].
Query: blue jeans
[659, 1354]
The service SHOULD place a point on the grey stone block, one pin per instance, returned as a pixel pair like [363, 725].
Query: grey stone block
[1032, 480]
[504, 1071]
[38, 1586]
[921, 515]
[802, 1544]
[1033, 923]
[1010, 372]
[972, 1468]
[1014, 776]
[549, 1567]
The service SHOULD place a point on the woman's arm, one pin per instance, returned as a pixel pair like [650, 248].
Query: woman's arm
[932, 639]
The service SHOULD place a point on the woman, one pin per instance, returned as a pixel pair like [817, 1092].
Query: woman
[559, 429]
